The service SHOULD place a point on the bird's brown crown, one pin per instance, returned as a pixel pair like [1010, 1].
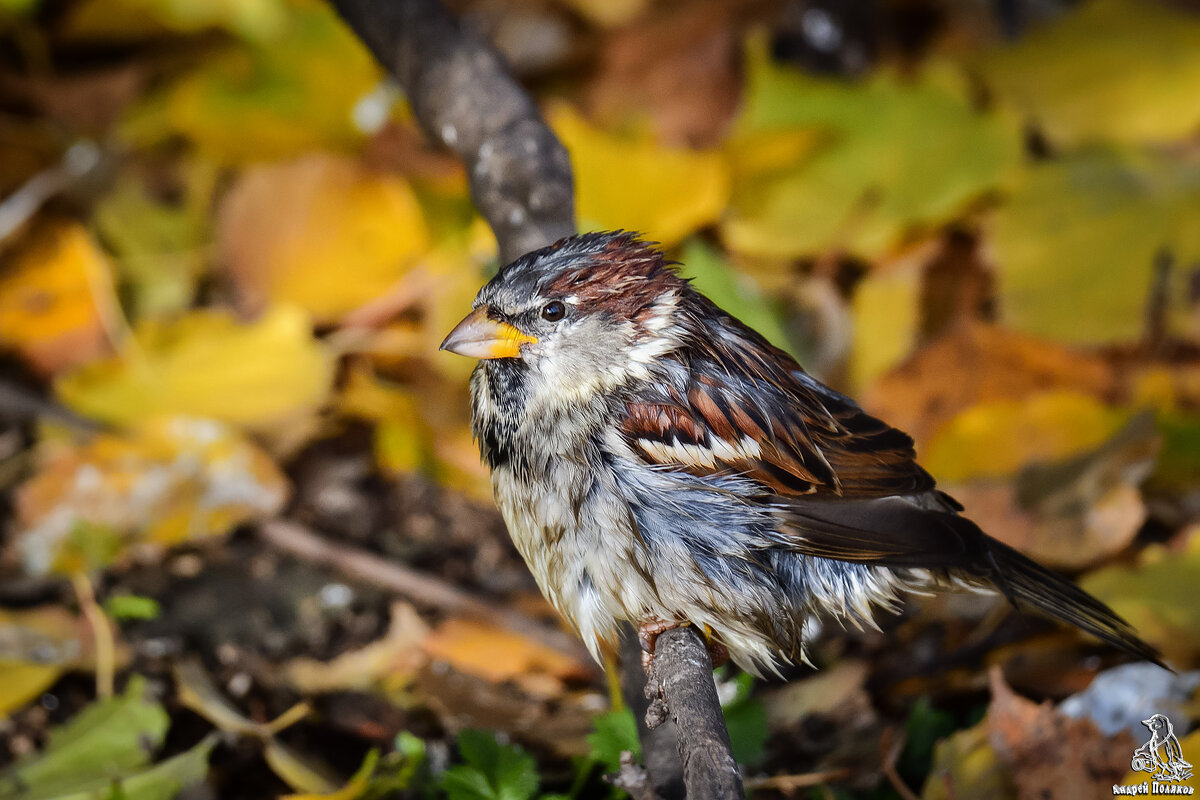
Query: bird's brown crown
[614, 272]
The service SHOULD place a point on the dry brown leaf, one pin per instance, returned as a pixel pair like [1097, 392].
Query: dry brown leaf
[1052, 756]
[390, 660]
[173, 479]
[496, 654]
[655, 66]
[1071, 513]
[987, 362]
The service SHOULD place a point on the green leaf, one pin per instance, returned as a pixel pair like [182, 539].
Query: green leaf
[612, 734]
[891, 154]
[160, 248]
[1148, 596]
[254, 103]
[925, 726]
[492, 771]
[1113, 70]
[746, 719]
[107, 741]
[1075, 243]
[132, 606]
[738, 294]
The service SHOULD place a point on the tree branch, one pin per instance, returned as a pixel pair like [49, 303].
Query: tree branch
[681, 684]
[464, 97]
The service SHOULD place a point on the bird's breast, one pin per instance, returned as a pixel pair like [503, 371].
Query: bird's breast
[580, 542]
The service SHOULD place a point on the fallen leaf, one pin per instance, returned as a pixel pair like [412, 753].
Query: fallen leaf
[655, 66]
[988, 364]
[965, 765]
[495, 654]
[263, 375]
[895, 154]
[996, 438]
[631, 182]
[124, 19]
[107, 740]
[278, 99]
[304, 774]
[1149, 595]
[1116, 70]
[353, 789]
[37, 646]
[1076, 241]
[885, 321]
[161, 248]
[1052, 756]
[610, 13]
[321, 232]
[389, 661]
[56, 298]
[831, 691]
[171, 480]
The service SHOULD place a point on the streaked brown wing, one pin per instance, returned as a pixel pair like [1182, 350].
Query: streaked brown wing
[760, 416]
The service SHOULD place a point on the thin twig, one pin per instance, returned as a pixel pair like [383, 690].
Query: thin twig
[890, 750]
[417, 586]
[802, 780]
[102, 634]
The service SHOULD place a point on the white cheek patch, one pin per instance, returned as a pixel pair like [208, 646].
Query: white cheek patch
[662, 315]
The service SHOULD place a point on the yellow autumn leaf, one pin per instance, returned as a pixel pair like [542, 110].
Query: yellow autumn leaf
[1076, 242]
[885, 321]
[629, 181]
[36, 646]
[250, 102]
[1112, 70]
[55, 298]
[170, 480]
[997, 438]
[134, 19]
[260, 374]
[322, 232]
[1149, 594]
[354, 788]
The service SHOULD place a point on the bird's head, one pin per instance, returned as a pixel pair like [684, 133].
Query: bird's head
[582, 315]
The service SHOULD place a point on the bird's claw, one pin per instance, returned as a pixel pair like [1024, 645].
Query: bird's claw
[648, 633]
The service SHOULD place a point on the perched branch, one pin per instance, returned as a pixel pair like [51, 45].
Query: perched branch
[463, 96]
[659, 744]
[681, 679]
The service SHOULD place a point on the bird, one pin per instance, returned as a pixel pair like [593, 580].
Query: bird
[658, 462]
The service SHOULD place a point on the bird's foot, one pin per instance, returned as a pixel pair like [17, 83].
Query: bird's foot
[648, 633]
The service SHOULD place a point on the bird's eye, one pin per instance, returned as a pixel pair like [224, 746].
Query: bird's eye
[554, 311]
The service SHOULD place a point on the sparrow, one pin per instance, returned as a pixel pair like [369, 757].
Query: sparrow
[658, 462]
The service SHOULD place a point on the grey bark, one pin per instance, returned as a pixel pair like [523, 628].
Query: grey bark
[464, 97]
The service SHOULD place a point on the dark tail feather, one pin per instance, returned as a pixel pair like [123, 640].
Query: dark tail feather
[1025, 581]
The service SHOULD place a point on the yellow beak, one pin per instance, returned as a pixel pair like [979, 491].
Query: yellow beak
[480, 336]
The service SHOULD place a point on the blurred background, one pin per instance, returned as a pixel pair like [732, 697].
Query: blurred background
[246, 545]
